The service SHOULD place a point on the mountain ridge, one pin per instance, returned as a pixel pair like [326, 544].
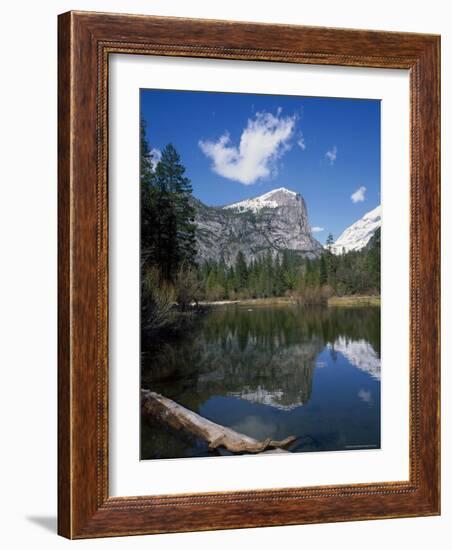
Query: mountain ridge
[267, 200]
[272, 222]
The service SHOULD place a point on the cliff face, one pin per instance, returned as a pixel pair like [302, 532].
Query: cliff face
[272, 222]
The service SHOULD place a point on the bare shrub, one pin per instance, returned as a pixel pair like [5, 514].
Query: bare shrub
[327, 292]
[215, 293]
[314, 295]
[186, 286]
[158, 300]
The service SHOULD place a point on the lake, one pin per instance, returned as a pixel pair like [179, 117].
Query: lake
[272, 371]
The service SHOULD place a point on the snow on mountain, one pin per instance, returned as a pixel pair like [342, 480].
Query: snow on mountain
[358, 234]
[272, 199]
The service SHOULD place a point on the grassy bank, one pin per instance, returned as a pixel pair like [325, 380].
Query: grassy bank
[349, 301]
[345, 301]
[274, 301]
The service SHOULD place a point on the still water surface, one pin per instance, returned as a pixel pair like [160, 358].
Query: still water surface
[272, 372]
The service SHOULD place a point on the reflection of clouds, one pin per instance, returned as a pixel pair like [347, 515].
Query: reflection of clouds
[256, 427]
[366, 396]
[360, 354]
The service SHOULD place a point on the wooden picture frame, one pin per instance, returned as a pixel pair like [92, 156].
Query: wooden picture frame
[86, 40]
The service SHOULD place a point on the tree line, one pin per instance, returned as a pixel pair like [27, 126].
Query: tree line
[286, 273]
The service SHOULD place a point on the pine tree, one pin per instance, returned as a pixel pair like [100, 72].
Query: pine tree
[309, 275]
[221, 272]
[146, 157]
[176, 244]
[323, 275]
[374, 261]
[277, 279]
[330, 261]
[329, 242]
[268, 274]
[149, 215]
[241, 271]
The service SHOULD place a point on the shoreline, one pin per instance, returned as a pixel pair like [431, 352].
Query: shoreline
[334, 301]
[358, 300]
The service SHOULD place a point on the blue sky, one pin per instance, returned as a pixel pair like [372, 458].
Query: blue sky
[238, 146]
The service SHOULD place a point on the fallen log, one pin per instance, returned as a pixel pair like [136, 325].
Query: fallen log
[170, 413]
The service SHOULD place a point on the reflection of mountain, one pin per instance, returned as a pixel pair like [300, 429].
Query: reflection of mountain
[264, 397]
[279, 399]
[359, 353]
[262, 355]
[278, 375]
[282, 379]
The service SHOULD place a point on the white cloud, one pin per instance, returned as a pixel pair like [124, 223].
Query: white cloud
[359, 195]
[365, 396]
[155, 155]
[264, 140]
[301, 143]
[331, 154]
[317, 229]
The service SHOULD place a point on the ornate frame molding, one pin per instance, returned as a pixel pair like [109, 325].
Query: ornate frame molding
[85, 42]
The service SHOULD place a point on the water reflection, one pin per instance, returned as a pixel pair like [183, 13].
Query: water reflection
[273, 372]
[360, 354]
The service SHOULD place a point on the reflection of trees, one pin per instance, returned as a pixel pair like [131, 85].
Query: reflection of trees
[266, 355]
[351, 324]
[272, 327]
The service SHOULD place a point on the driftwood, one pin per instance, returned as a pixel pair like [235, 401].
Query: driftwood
[172, 414]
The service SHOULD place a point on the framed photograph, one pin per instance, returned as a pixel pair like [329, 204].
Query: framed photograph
[248, 275]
